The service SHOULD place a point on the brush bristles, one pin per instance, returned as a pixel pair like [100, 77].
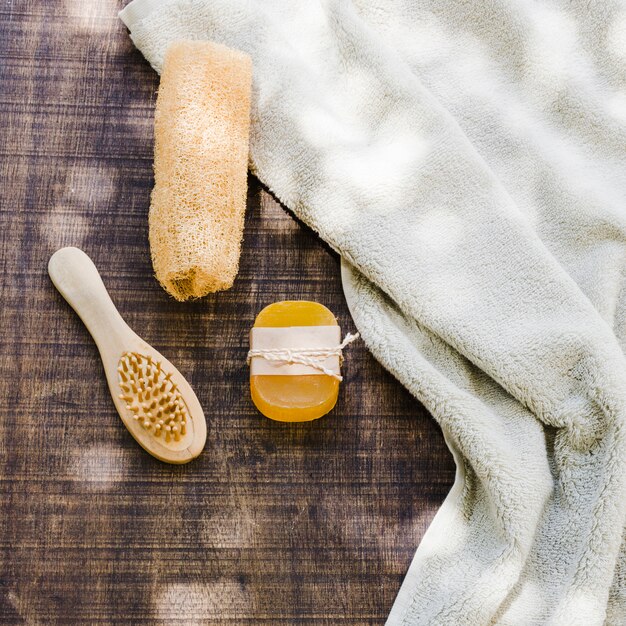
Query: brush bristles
[151, 396]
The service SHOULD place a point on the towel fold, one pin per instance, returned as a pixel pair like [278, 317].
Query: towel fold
[468, 161]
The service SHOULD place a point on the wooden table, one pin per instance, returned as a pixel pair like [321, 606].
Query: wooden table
[273, 524]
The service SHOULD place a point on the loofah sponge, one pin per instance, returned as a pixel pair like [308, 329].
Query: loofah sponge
[201, 128]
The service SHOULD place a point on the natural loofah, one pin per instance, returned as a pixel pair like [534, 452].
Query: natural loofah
[201, 129]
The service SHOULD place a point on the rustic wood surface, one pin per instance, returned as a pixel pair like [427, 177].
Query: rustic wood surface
[273, 524]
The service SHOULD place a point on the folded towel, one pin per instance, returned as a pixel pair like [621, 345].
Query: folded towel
[468, 162]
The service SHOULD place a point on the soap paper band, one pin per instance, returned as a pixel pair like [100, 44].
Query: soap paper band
[279, 351]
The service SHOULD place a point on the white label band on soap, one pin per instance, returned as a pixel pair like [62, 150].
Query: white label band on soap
[293, 338]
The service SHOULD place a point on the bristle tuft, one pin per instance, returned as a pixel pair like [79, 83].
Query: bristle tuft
[151, 397]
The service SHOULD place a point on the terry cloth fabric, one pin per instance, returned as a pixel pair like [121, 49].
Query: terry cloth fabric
[468, 162]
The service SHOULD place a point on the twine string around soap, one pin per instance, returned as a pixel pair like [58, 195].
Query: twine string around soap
[305, 356]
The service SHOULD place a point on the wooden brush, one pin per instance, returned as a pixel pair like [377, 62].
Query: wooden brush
[155, 402]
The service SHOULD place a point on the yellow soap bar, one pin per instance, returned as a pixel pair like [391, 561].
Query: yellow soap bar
[294, 398]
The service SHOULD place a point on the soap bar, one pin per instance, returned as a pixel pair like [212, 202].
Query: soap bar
[300, 397]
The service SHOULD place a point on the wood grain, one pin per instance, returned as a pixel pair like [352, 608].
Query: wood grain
[274, 524]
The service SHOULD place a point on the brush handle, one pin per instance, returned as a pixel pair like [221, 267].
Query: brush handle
[78, 281]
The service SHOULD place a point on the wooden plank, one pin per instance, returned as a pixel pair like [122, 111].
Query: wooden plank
[274, 524]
